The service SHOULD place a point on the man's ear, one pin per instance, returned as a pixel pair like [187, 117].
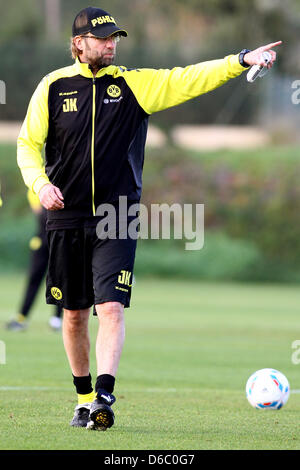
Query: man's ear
[78, 43]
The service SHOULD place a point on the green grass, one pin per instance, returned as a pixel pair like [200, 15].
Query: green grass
[189, 350]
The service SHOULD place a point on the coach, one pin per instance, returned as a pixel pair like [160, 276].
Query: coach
[93, 118]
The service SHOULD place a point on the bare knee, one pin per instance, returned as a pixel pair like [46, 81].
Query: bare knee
[75, 319]
[110, 311]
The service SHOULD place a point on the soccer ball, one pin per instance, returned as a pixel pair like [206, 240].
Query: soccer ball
[267, 389]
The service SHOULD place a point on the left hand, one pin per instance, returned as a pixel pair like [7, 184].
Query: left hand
[255, 57]
[51, 197]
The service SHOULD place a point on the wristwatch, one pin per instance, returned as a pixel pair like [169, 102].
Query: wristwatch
[241, 57]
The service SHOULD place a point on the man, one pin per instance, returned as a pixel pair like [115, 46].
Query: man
[36, 272]
[93, 117]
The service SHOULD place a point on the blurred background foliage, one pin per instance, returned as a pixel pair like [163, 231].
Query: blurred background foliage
[34, 39]
[252, 202]
[251, 197]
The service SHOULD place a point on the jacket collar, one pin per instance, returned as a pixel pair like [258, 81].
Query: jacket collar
[85, 71]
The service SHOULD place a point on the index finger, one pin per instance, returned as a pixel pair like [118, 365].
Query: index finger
[272, 44]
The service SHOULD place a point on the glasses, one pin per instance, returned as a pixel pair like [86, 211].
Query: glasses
[114, 37]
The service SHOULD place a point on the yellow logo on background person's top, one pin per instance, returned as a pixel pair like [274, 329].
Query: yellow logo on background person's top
[35, 243]
[114, 91]
[56, 293]
[102, 19]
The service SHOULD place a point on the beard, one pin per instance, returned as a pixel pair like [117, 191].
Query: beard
[101, 61]
[98, 62]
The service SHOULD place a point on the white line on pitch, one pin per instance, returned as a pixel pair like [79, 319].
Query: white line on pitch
[147, 390]
[12, 388]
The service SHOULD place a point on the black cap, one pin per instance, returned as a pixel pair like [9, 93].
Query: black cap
[96, 21]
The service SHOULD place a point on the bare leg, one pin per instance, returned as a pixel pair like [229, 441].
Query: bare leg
[77, 341]
[110, 338]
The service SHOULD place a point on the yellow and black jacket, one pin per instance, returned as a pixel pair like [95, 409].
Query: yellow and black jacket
[95, 128]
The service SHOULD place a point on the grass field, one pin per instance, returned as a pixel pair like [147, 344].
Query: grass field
[189, 350]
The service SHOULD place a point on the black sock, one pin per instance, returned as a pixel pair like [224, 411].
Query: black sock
[105, 382]
[83, 384]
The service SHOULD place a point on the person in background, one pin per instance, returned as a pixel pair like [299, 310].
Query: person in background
[37, 270]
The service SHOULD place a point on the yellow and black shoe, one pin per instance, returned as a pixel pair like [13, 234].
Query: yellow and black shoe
[101, 415]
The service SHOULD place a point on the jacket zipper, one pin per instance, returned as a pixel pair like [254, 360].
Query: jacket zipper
[93, 145]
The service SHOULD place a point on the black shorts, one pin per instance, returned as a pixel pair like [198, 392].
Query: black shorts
[85, 270]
